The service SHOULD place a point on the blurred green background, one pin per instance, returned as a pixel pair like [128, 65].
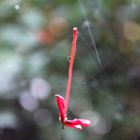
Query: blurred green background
[35, 44]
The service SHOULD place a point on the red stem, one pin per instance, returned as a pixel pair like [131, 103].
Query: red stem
[73, 51]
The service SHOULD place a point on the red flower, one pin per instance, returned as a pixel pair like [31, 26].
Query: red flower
[63, 103]
[75, 123]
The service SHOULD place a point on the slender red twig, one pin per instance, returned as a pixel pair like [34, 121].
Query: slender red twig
[63, 103]
[73, 51]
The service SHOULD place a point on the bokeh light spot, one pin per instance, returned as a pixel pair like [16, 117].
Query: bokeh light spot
[40, 88]
[28, 102]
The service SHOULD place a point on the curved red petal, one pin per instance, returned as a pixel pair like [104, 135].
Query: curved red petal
[77, 123]
[61, 106]
[72, 124]
[85, 122]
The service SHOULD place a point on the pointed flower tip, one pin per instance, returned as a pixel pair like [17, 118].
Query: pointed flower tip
[85, 122]
[75, 28]
[59, 96]
[79, 127]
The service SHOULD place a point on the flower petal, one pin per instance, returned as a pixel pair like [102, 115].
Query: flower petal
[61, 106]
[78, 127]
[77, 123]
[85, 122]
[68, 124]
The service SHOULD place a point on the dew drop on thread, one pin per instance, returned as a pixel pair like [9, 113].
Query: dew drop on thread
[84, 83]
[17, 7]
[68, 58]
[86, 23]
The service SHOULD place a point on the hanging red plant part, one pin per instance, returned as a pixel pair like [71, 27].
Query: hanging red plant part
[63, 103]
